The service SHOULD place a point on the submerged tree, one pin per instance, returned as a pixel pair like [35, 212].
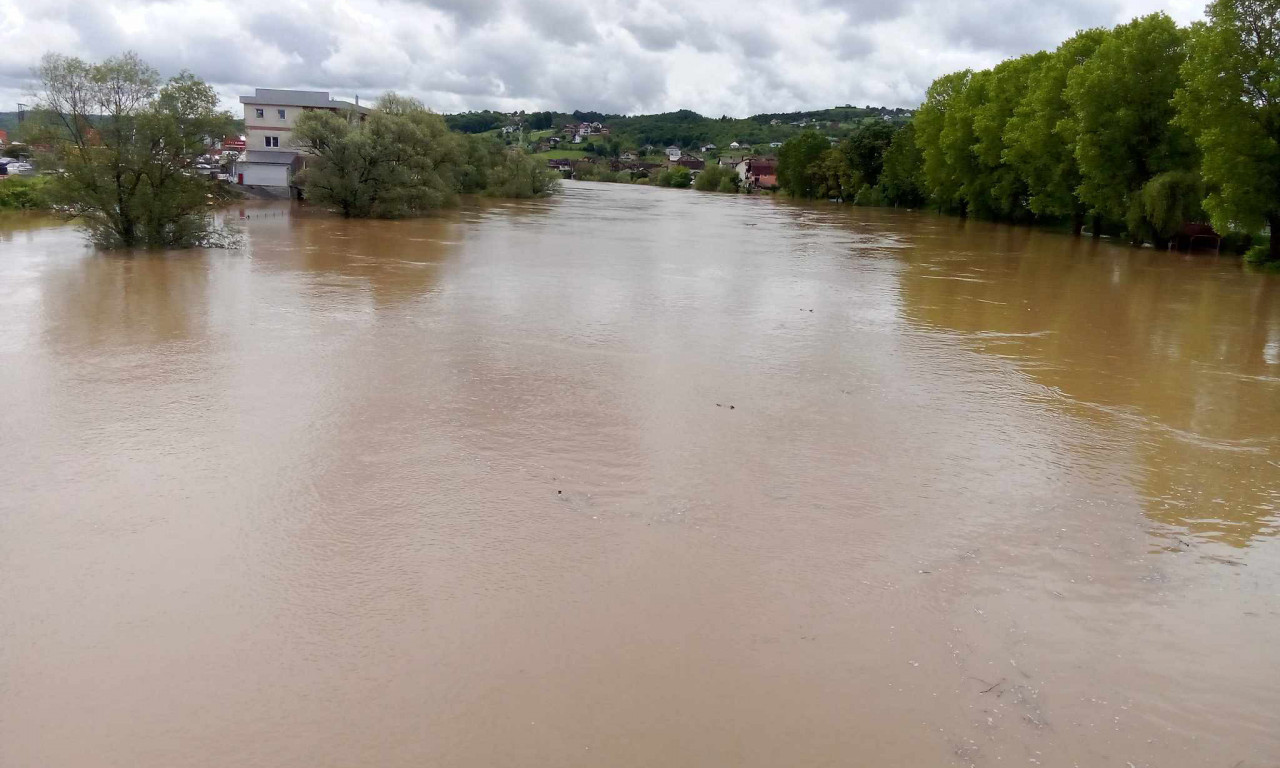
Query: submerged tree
[800, 164]
[402, 160]
[901, 177]
[717, 178]
[125, 143]
[1231, 102]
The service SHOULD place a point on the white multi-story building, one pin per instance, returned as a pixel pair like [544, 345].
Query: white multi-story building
[270, 159]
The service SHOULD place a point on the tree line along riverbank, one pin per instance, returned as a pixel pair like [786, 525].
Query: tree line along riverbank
[1136, 131]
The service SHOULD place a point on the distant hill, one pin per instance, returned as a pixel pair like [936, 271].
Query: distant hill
[9, 122]
[689, 129]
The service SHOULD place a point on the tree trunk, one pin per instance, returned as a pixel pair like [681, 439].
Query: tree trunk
[1097, 226]
[1077, 222]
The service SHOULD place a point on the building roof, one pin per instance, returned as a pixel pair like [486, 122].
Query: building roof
[276, 97]
[267, 158]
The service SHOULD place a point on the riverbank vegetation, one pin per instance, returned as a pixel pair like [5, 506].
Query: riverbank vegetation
[718, 178]
[1137, 131]
[24, 193]
[403, 160]
[124, 142]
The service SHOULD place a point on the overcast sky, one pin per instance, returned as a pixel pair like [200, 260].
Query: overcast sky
[736, 57]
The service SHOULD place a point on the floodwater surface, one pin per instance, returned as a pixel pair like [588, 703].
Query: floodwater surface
[636, 477]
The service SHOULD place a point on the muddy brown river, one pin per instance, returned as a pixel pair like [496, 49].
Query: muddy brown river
[636, 477]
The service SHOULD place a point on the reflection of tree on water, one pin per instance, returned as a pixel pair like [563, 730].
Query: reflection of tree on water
[122, 300]
[390, 260]
[1169, 352]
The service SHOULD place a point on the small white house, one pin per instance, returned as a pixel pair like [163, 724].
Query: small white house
[734, 145]
[673, 153]
[708, 147]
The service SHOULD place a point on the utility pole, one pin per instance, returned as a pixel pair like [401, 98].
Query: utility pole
[22, 112]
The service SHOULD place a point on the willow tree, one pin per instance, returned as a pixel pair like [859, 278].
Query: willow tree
[401, 160]
[1231, 103]
[125, 142]
[1121, 98]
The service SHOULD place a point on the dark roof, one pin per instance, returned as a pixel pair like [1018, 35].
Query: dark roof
[277, 97]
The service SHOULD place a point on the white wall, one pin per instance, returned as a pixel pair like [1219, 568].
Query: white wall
[264, 175]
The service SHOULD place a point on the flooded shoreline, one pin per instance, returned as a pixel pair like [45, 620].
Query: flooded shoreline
[467, 491]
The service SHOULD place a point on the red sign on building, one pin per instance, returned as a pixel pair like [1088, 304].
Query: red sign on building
[233, 144]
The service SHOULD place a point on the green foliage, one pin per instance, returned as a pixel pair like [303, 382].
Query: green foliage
[936, 125]
[1230, 102]
[1125, 134]
[24, 193]
[872, 196]
[1000, 185]
[513, 174]
[475, 122]
[801, 168]
[676, 176]
[902, 177]
[402, 160]
[717, 178]
[1144, 127]
[125, 143]
[864, 152]
[1167, 202]
[1040, 136]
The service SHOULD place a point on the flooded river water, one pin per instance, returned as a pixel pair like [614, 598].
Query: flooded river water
[637, 477]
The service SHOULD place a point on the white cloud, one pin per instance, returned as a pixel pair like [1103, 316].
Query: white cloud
[734, 57]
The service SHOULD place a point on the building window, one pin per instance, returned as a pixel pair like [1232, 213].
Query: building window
[272, 141]
[257, 113]
[280, 112]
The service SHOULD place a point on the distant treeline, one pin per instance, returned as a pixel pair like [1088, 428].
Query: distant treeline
[685, 128]
[1137, 130]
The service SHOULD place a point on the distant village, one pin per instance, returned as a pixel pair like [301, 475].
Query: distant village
[756, 170]
[756, 166]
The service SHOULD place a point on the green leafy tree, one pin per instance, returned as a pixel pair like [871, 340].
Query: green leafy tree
[676, 176]
[1040, 136]
[126, 142]
[1230, 101]
[402, 160]
[1003, 186]
[864, 152]
[1169, 200]
[902, 173]
[1125, 135]
[800, 172]
[935, 129]
[717, 178]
